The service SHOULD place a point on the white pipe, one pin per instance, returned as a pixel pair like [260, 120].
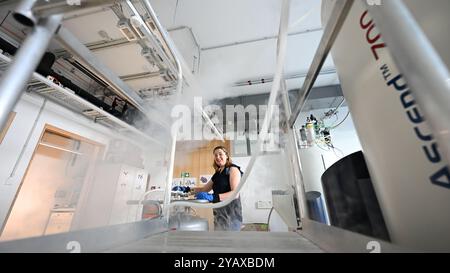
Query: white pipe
[142, 199]
[166, 208]
[294, 158]
[59, 148]
[23, 13]
[15, 79]
[148, 192]
[181, 64]
[269, 113]
[211, 124]
[138, 22]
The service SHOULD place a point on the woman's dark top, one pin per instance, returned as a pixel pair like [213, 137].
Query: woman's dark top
[232, 212]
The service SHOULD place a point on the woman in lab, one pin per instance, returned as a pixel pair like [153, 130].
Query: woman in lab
[223, 183]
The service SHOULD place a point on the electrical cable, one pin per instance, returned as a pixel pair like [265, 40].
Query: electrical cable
[268, 218]
[4, 19]
[334, 127]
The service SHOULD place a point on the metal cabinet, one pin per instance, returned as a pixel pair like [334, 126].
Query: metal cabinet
[113, 196]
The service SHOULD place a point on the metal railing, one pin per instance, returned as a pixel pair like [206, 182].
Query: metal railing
[332, 28]
[425, 72]
[16, 77]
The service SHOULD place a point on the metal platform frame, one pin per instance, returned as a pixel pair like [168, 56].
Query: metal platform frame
[429, 73]
[64, 96]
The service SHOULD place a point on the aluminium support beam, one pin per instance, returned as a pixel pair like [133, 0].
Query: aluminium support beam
[75, 47]
[179, 62]
[332, 28]
[45, 8]
[138, 22]
[281, 54]
[14, 81]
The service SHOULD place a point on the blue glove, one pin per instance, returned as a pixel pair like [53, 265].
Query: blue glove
[204, 196]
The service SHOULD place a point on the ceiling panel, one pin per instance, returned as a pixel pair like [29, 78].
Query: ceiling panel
[217, 22]
[125, 60]
[86, 28]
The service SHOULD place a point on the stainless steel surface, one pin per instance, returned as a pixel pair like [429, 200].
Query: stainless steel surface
[87, 240]
[182, 221]
[23, 13]
[426, 74]
[337, 240]
[334, 24]
[222, 242]
[14, 81]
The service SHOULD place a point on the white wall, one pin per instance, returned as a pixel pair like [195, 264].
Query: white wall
[13, 149]
[270, 172]
[156, 162]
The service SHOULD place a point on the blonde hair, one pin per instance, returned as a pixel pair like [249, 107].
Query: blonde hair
[227, 164]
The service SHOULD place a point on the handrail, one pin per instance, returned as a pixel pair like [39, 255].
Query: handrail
[334, 25]
[13, 82]
[424, 71]
[284, 20]
[177, 58]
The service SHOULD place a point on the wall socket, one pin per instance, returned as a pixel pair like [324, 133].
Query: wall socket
[264, 204]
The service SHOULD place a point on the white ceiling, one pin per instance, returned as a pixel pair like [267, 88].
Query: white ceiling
[218, 23]
[215, 25]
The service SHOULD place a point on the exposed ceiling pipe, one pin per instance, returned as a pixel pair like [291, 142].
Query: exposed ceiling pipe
[75, 47]
[24, 13]
[44, 8]
[138, 22]
[49, 145]
[180, 63]
[263, 80]
[260, 39]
